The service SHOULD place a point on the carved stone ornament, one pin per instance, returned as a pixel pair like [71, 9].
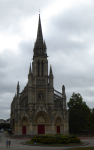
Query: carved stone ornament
[40, 95]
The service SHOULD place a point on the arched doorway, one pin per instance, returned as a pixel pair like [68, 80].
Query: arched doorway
[58, 123]
[24, 122]
[23, 129]
[41, 119]
[41, 125]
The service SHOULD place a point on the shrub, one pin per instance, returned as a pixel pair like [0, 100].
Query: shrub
[39, 140]
[74, 140]
[48, 141]
[57, 138]
[58, 134]
[59, 141]
[65, 141]
[74, 136]
[64, 138]
[37, 136]
[34, 139]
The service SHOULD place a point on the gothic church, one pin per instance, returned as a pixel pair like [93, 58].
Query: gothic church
[39, 108]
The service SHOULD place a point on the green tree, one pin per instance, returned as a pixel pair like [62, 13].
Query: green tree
[79, 113]
[90, 124]
[5, 125]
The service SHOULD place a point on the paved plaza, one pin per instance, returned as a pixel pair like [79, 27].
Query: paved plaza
[16, 144]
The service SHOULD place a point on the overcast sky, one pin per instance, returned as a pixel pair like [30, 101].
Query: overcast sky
[68, 29]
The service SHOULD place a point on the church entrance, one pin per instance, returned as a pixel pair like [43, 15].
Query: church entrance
[58, 129]
[24, 130]
[41, 129]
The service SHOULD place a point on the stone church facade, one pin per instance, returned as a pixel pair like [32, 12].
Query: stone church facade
[39, 108]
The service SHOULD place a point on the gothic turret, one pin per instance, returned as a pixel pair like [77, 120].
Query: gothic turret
[18, 89]
[30, 76]
[50, 77]
[64, 97]
[63, 90]
[40, 46]
[51, 74]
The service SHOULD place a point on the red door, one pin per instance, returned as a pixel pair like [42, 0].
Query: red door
[24, 130]
[41, 129]
[58, 129]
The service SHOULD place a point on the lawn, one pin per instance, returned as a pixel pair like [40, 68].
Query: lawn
[82, 148]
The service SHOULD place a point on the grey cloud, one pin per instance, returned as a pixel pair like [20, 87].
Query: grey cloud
[11, 12]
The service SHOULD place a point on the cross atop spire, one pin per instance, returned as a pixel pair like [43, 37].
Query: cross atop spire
[39, 11]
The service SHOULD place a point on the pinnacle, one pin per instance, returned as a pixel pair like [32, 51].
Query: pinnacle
[63, 87]
[51, 70]
[30, 70]
[18, 85]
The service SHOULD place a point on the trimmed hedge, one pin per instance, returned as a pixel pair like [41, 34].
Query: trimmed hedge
[74, 140]
[57, 138]
[74, 136]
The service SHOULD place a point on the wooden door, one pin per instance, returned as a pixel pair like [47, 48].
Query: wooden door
[58, 129]
[41, 129]
[24, 130]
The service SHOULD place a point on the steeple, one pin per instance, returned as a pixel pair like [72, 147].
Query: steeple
[40, 46]
[39, 33]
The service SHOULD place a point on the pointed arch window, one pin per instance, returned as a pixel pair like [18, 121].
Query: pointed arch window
[42, 68]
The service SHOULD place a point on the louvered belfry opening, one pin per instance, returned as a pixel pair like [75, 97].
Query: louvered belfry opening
[42, 68]
[38, 68]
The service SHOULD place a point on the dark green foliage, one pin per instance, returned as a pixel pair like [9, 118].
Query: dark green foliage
[64, 138]
[37, 139]
[65, 141]
[5, 125]
[90, 124]
[48, 141]
[58, 134]
[57, 138]
[75, 140]
[78, 113]
[74, 136]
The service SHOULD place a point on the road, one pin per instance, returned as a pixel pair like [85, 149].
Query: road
[16, 144]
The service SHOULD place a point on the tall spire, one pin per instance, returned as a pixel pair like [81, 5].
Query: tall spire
[40, 46]
[39, 32]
